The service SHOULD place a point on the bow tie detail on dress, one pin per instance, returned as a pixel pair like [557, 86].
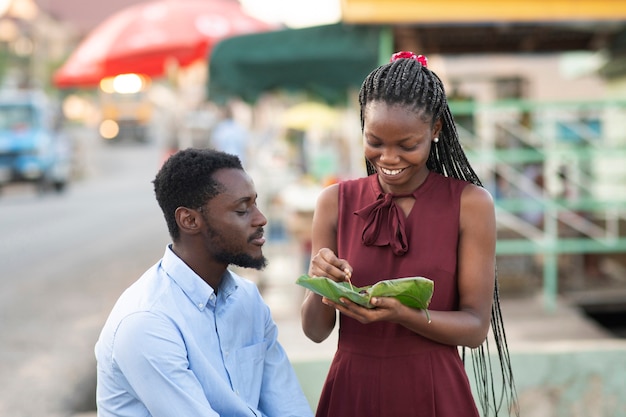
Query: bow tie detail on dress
[384, 223]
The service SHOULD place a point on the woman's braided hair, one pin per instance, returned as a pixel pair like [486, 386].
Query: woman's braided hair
[408, 82]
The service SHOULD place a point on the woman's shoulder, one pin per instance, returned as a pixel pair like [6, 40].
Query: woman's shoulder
[356, 182]
[467, 193]
[348, 191]
[343, 187]
[464, 186]
[357, 185]
[451, 181]
[328, 196]
[475, 197]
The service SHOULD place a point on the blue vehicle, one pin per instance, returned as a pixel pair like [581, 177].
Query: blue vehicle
[33, 149]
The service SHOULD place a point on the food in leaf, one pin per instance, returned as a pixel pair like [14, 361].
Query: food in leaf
[414, 292]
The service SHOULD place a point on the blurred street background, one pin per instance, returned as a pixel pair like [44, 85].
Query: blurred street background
[94, 97]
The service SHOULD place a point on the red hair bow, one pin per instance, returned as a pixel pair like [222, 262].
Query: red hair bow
[410, 55]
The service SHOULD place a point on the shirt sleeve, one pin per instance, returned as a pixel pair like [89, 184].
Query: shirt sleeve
[150, 353]
[281, 393]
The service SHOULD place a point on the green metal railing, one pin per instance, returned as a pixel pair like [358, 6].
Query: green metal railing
[587, 140]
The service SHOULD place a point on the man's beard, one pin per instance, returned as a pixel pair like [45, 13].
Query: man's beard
[241, 259]
[228, 256]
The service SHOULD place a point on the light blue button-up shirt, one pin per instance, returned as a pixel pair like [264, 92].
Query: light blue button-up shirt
[172, 347]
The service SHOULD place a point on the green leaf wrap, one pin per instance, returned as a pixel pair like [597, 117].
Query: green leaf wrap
[414, 292]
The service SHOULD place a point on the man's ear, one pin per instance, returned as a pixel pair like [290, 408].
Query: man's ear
[189, 220]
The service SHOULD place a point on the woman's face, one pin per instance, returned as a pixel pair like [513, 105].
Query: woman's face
[397, 141]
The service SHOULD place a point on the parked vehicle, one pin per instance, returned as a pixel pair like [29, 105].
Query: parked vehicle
[126, 108]
[33, 148]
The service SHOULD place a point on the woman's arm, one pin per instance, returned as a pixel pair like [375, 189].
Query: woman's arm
[476, 274]
[318, 320]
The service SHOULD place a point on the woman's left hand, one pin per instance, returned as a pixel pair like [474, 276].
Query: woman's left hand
[385, 309]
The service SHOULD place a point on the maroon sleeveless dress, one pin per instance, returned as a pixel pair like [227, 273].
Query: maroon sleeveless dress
[384, 369]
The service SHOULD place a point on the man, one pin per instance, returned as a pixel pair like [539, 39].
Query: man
[190, 337]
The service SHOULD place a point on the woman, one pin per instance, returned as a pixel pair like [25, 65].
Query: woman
[421, 211]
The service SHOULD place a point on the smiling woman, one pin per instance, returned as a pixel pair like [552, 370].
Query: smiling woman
[420, 211]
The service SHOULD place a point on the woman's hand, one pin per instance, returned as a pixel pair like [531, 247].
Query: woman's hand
[326, 264]
[385, 309]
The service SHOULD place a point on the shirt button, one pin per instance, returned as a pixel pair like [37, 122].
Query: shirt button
[200, 305]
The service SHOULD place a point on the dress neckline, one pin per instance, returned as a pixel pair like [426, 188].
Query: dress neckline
[378, 189]
[385, 223]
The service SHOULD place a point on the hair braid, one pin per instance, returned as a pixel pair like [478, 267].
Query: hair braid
[407, 82]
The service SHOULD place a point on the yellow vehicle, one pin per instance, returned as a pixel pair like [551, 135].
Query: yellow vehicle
[126, 108]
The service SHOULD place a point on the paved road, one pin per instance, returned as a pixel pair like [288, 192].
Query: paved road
[62, 260]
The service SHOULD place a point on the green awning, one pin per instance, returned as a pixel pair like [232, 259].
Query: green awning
[322, 60]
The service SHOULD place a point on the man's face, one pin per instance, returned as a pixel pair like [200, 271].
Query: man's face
[234, 223]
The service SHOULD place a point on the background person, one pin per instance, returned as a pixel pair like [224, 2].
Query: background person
[230, 136]
[420, 212]
[191, 337]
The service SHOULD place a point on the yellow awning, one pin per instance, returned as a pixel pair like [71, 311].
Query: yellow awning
[481, 11]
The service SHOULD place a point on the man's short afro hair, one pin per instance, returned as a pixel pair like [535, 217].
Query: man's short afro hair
[186, 180]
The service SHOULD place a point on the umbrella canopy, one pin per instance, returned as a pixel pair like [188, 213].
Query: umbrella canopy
[305, 115]
[148, 37]
[323, 60]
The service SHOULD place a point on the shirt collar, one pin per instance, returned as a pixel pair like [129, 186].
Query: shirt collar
[195, 288]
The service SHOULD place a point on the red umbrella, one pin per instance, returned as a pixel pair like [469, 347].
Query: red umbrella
[147, 37]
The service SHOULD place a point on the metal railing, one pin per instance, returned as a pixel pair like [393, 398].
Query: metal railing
[558, 174]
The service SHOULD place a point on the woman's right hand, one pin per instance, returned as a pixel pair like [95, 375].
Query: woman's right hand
[318, 319]
[326, 264]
